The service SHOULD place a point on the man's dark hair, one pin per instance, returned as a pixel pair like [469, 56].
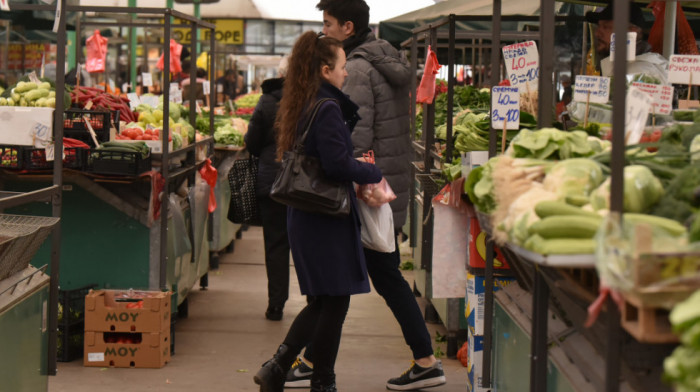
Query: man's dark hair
[355, 11]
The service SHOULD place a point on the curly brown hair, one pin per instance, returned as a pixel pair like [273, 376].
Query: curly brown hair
[310, 53]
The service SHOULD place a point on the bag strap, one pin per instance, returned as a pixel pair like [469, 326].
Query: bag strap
[310, 121]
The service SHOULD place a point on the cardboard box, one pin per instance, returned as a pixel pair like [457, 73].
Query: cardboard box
[114, 311]
[477, 249]
[476, 297]
[148, 350]
[26, 126]
[475, 363]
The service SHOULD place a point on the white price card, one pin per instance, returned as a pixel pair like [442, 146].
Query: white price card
[523, 65]
[57, 19]
[595, 88]
[5, 5]
[638, 107]
[134, 100]
[146, 79]
[150, 100]
[48, 152]
[684, 69]
[33, 78]
[206, 87]
[631, 46]
[662, 96]
[41, 133]
[176, 96]
[505, 107]
[174, 87]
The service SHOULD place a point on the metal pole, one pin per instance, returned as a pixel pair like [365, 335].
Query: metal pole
[546, 90]
[538, 348]
[450, 86]
[670, 27]
[132, 50]
[198, 16]
[57, 181]
[488, 273]
[165, 170]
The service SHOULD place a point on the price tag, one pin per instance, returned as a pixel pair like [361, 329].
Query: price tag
[683, 69]
[637, 111]
[4, 5]
[88, 105]
[597, 86]
[112, 85]
[134, 100]
[176, 96]
[96, 357]
[206, 87]
[146, 79]
[662, 96]
[522, 63]
[33, 78]
[197, 107]
[631, 46]
[174, 87]
[150, 100]
[43, 63]
[49, 152]
[505, 106]
[219, 88]
[41, 133]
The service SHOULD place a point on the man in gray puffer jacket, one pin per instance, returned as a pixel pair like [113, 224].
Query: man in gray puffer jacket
[378, 82]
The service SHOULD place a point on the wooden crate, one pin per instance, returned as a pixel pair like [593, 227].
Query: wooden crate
[646, 324]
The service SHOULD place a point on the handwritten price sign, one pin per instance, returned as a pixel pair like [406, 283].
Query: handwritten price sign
[631, 46]
[683, 69]
[637, 111]
[505, 106]
[662, 96]
[595, 88]
[523, 65]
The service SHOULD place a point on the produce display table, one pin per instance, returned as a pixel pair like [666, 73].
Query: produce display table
[23, 331]
[110, 237]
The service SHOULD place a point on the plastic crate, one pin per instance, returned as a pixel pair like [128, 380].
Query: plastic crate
[101, 121]
[11, 157]
[71, 323]
[20, 238]
[35, 158]
[118, 162]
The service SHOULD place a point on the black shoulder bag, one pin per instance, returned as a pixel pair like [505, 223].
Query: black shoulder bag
[302, 184]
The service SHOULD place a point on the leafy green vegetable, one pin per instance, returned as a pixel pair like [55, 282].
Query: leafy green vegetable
[550, 143]
[574, 177]
[641, 190]
[228, 135]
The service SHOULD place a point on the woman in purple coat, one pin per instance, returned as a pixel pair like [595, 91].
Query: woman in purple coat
[327, 251]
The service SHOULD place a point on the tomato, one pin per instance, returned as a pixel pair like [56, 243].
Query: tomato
[148, 131]
[155, 137]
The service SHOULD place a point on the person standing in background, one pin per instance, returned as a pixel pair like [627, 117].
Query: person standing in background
[260, 141]
[378, 82]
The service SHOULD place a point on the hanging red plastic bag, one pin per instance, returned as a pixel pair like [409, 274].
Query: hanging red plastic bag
[175, 51]
[210, 174]
[96, 52]
[686, 38]
[426, 90]
[375, 194]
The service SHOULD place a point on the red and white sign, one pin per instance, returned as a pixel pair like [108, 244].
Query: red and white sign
[662, 96]
[684, 69]
[523, 65]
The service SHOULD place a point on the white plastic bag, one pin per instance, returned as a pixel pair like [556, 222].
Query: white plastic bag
[377, 227]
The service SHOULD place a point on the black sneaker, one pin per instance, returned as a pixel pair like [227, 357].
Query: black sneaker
[417, 377]
[299, 376]
[274, 313]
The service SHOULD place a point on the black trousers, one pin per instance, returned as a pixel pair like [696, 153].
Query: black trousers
[320, 324]
[274, 223]
[383, 269]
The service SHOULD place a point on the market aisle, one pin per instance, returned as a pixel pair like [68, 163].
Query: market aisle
[226, 339]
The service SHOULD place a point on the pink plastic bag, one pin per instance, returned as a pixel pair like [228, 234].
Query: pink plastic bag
[96, 52]
[374, 195]
[175, 65]
[426, 90]
[210, 174]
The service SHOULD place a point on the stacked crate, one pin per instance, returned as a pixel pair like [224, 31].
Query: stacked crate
[127, 328]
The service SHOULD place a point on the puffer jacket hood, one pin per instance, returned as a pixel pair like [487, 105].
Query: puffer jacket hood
[385, 59]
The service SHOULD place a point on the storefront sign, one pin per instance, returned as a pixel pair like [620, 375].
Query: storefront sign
[228, 31]
[505, 107]
[638, 107]
[631, 46]
[33, 54]
[592, 89]
[662, 96]
[522, 63]
[684, 69]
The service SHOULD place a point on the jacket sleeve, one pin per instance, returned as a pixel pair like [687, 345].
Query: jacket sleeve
[330, 134]
[257, 127]
[358, 86]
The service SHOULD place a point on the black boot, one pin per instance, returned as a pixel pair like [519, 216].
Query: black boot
[273, 373]
[318, 386]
